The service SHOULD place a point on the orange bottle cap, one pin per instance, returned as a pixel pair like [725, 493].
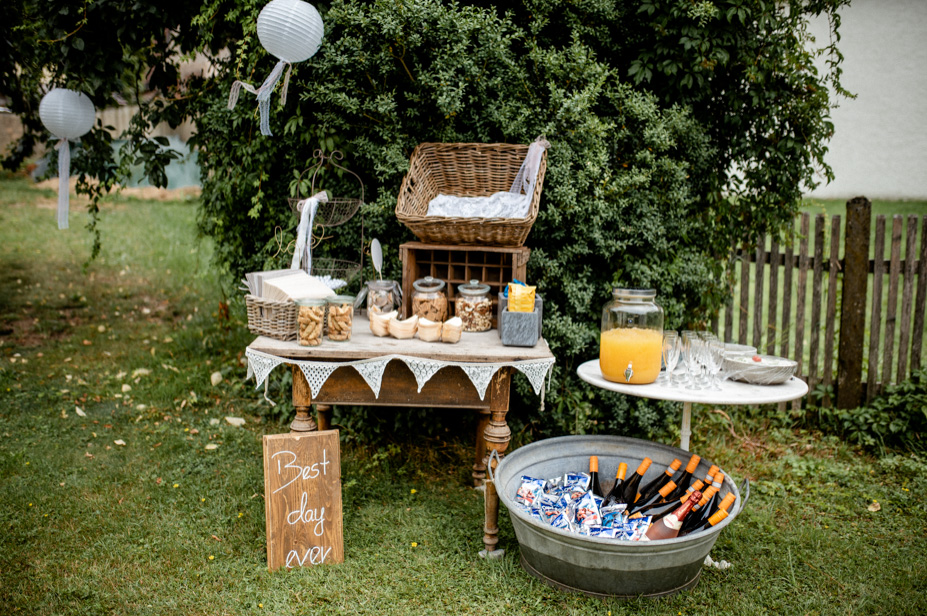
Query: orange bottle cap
[693, 464]
[696, 485]
[727, 501]
[622, 470]
[717, 517]
[675, 465]
[718, 480]
[593, 464]
[644, 465]
[711, 473]
[707, 494]
[669, 487]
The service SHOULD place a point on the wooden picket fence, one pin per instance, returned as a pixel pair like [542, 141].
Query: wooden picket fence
[834, 306]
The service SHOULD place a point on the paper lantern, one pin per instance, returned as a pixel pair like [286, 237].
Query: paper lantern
[291, 30]
[67, 115]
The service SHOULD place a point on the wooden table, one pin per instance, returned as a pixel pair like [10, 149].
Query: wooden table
[731, 392]
[449, 387]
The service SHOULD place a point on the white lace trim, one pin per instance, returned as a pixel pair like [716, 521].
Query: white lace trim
[480, 374]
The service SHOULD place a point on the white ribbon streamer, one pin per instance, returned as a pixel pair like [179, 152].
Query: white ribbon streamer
[64, 178]
[263, 93]
[527, 175]
[304, 234]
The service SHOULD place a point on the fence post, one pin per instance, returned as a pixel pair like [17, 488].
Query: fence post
[853, 303]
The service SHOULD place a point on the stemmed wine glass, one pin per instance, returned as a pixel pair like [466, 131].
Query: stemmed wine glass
[691, 350]
[671, 352]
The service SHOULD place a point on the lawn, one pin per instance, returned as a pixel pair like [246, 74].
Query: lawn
[112, 504]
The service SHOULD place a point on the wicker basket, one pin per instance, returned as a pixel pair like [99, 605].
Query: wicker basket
[272, 318]
[465, 170]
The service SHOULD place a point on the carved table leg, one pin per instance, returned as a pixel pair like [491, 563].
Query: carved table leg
[479, 459]
[302, 402]
[497, 436]
[324, 416]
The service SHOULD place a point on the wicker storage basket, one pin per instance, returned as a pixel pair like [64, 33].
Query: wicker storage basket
[272, 318]
[465, 170]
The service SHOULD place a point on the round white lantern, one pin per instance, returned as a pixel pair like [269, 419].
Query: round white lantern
[67, 115]
[292, 31]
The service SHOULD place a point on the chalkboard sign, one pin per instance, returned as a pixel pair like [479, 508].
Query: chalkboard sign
[302, 499]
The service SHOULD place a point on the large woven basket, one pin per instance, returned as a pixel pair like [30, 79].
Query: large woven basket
[272, 318]
[465, 170]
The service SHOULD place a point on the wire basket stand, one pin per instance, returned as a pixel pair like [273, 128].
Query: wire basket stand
[331, 213]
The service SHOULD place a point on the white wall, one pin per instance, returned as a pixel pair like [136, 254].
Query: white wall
[880, 144]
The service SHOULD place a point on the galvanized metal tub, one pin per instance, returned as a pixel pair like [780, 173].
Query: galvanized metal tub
[593, 565]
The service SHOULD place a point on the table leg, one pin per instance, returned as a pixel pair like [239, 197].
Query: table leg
[302, 403]
[479, 459]
[324, 416]
[497, 436]
[686, 430]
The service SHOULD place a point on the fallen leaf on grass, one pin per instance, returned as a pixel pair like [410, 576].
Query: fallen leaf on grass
[119, 442]
[215, 378]
[126, 388]
[216, 538]
[235, 421]
[87, 343]
[194, 431]
[88, 455]
[80, 411]
[158, 481]
[211, 446]
[875, 506]
[140, 372]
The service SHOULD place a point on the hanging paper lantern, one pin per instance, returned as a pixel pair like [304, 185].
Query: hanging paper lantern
[67, 115]
[291, 30]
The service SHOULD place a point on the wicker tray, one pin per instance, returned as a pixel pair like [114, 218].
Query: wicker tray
[465, 170]
[272, 318]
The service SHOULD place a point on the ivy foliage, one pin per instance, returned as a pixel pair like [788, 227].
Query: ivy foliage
[677, 128]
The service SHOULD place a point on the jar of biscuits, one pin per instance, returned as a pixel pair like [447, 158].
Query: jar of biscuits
[474, 307]
[310, 317]
[429, 300]
[340, 317]
[382, 296]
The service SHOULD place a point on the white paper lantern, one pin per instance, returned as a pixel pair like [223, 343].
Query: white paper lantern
[67, 115]
[292, 31]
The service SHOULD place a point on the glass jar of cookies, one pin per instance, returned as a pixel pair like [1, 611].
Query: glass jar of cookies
[340, 317]
[429, 300]
[310, 317]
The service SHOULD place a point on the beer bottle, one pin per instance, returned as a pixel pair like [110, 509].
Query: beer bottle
[633, 482]
[714, 520]
[613, 497]
[653, 486]
[594, 477]
[684, 478]
[709, 503]
[659, 499]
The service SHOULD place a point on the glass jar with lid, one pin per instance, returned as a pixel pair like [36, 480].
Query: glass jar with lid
[474, 306]
[382, 296]
[429, 300]
[340, 317]
[631, 343]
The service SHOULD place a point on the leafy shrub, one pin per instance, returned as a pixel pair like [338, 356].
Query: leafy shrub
[895, 419]
[650, 109]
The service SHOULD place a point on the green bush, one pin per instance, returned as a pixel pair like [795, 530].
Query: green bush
[895, 419]
[649, 107]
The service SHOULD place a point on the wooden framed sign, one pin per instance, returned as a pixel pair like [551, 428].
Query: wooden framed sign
[302, 499]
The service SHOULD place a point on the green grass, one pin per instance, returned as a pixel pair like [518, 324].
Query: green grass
[92, 527]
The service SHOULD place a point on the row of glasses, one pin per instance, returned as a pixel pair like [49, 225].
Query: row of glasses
[702, 354]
